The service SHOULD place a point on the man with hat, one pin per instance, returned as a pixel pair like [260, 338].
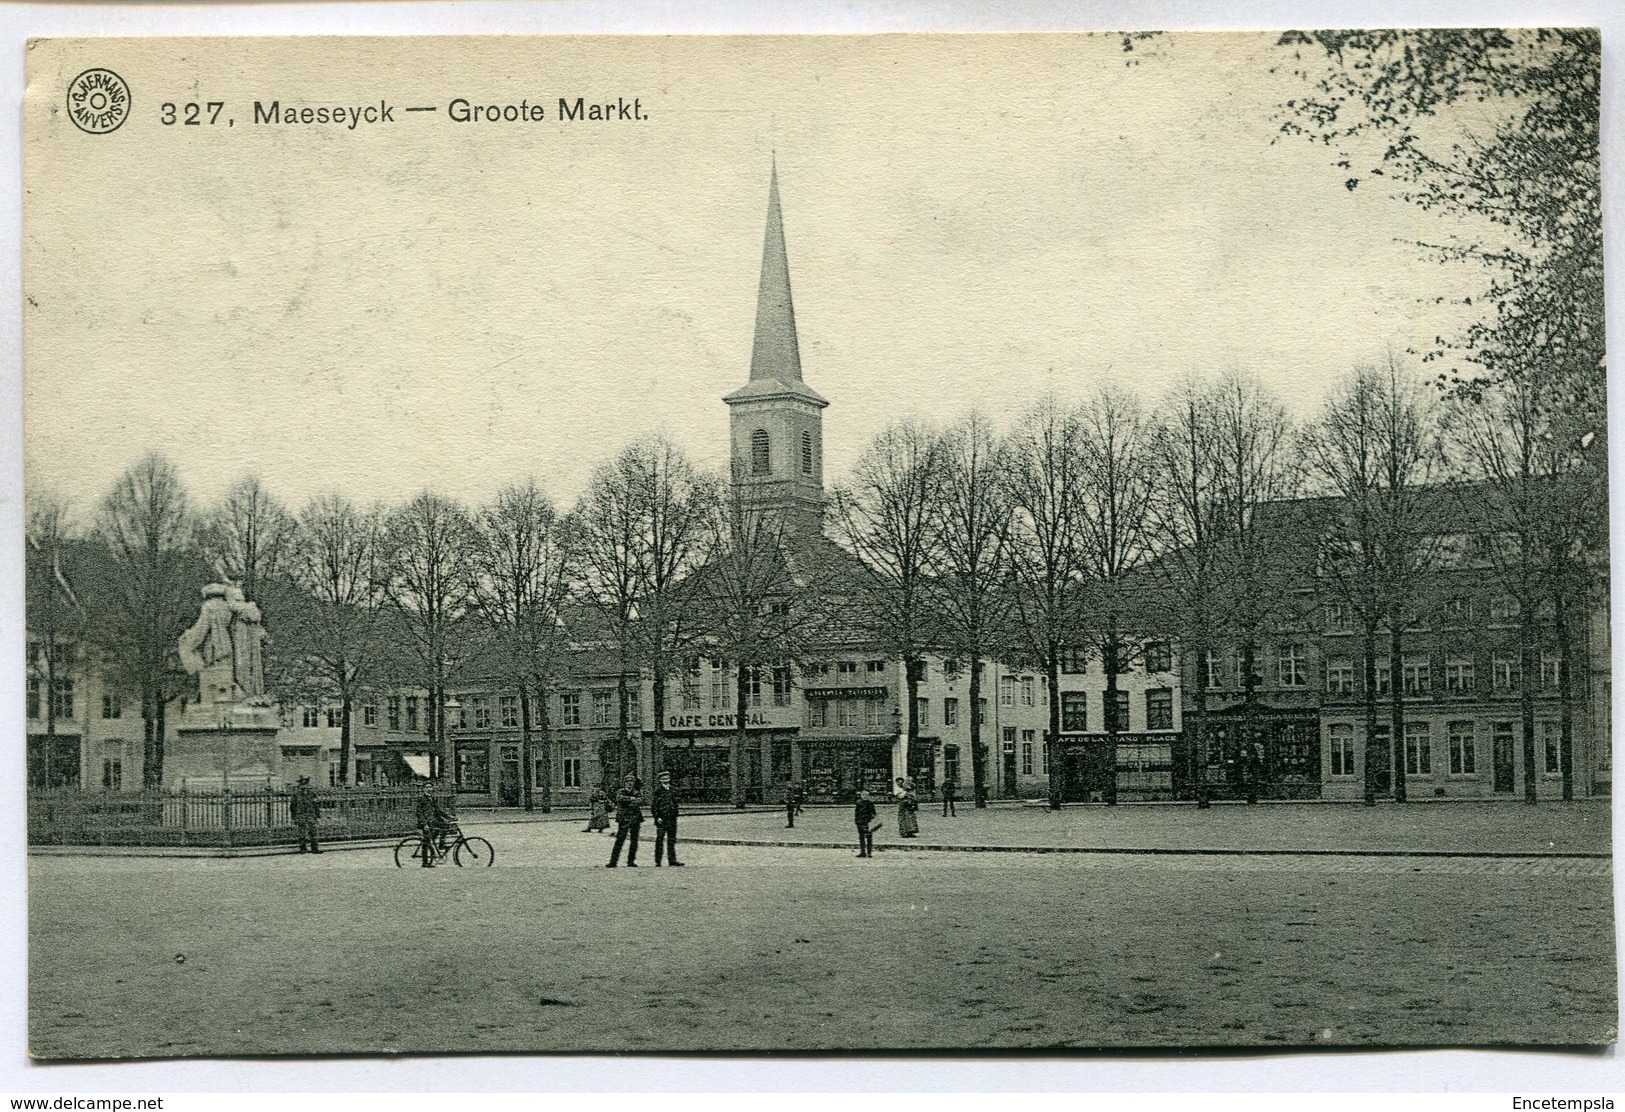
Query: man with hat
[664, 808]
[628, 818]
[305, 811]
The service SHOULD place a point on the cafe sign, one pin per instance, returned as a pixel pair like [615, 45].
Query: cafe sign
[755, 720]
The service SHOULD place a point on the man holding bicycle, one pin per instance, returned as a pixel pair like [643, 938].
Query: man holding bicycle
[432, 821]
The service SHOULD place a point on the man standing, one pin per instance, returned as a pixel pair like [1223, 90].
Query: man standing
[950, 792]
[793, 796]
[864, 815]
[664, 808]
[305, 811]
[628, 818]
[428, 817]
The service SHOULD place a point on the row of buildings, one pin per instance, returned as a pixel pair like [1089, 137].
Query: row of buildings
[837, 724]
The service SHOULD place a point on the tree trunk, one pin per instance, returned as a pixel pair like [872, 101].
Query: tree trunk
[1113, 726]
[345, 701]
[1198, 744]
[978, 749]
[158, 740]
[544, 717]
[911, 685]
[1249, 703]
[736, 759]
[622, 731]
[1052, 680]
[1565, 689]
[50, 710]
[1396, 694]
[1529, 662]
[1375, 754]
[152, 777]
[657, 699]
[527, 770]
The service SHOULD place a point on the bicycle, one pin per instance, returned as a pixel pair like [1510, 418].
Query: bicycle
[471, 851]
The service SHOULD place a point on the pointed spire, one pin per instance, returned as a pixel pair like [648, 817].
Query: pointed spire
[775, 356]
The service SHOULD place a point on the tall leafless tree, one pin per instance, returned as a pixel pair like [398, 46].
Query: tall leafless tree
[885, 518]
[55, 615]
[429, 543]
[1185, 517]
[1114, 486]
[248, 537]
[1049, 562]
[523, 568]
[331, 631]
[152, 592]
[968, 562]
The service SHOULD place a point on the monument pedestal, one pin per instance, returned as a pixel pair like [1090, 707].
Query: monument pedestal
[237, 749]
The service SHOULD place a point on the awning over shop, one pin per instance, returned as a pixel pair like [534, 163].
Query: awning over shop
[418, 763]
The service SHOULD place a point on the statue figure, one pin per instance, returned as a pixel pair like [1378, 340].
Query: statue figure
[222, 648]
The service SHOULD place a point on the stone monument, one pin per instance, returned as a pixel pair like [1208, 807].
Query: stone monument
[228, 734]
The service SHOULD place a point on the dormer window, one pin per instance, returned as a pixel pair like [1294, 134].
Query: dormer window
[761, 458]
[806, 453]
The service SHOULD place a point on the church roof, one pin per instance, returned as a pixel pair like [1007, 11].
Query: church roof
[775, 358]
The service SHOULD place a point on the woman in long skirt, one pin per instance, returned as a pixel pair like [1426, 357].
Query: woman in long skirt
[908, 810]
[600, 810]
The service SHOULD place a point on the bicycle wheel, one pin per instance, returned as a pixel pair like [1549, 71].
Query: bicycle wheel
[473, 852]
[408, 850]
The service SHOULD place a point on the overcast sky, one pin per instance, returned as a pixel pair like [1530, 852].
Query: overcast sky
[970, 221]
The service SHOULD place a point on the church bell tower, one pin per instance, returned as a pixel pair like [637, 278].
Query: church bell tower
[776, 419]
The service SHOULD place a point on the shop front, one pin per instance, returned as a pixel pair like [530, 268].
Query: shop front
[836, 769]
[1263, 752]
[698, 752]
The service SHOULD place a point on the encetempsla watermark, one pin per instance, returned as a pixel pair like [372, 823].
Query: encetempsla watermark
[1562, 1104]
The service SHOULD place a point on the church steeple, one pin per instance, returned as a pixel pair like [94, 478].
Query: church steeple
[777, 427]
[776, 355]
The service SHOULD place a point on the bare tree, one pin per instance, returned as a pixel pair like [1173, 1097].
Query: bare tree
[1256, 474]
[522, 566]
[1114, 485]
[1343, 448]
[610, 525]
[332, 630]
[675, 504]
[1044, 467]
[429, 542]
[55, 616]
[248, 538]
[760, 602]
[1185, 520]
[152, 591]
[885, 518]
[968, 562]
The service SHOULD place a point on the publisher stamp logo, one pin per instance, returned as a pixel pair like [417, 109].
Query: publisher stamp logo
[98, 101]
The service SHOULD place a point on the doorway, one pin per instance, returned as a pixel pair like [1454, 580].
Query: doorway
[1503, 756]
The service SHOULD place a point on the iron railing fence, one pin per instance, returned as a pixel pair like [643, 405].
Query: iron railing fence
[257, 817]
